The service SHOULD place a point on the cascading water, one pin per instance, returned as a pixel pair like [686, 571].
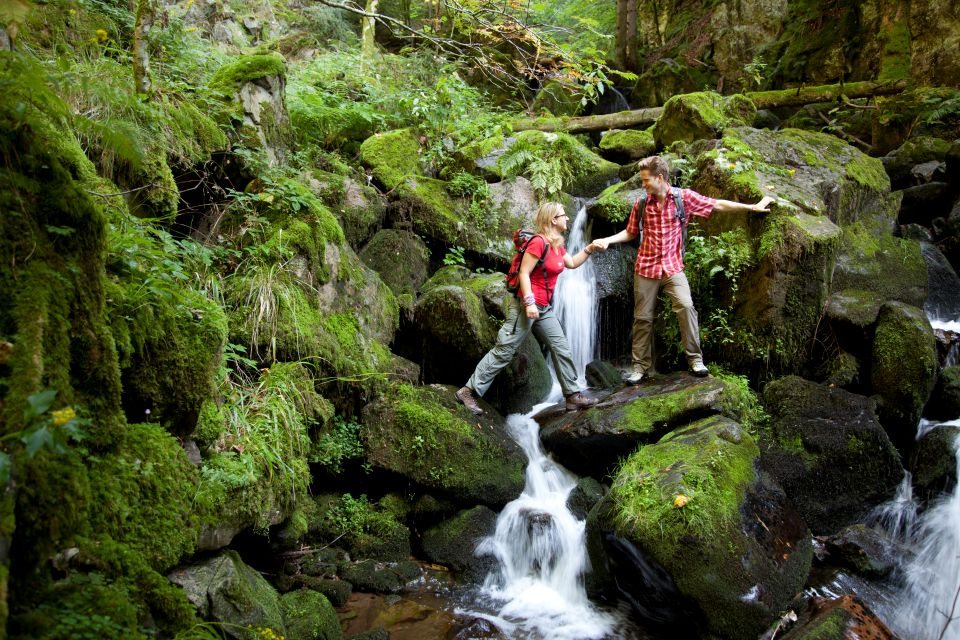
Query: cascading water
[576, 298]
[537, 589]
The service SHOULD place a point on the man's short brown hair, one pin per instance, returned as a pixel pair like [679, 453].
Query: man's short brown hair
[656, 165]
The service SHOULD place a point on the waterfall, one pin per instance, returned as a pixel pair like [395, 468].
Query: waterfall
[537, 589]
[576, 299]
[540, 549]
[929, 602]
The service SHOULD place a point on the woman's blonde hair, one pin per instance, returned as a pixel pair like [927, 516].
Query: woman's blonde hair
[544, 218]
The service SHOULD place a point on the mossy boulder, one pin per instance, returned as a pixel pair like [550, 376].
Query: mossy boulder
[360, 527]
[934, 462]
[581, 172]
[425, 206]
[425, 435]
[627, 145]
[837, 619]
[402, 259]
[903, 368]
[308, 615]
[253, 88]
[453, 542]
[828, 451]
[392, 156]
[899, 162]
[944, 404]
[614, 203]
[690, 521]
[380, 577]
[698, 116]
[359, 207]
[225, 589]
[458, 317]
[592, 442]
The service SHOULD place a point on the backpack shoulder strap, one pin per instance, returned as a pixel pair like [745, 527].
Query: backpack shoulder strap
[643, 207]
[678, 200]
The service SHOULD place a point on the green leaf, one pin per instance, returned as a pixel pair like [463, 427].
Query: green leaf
[37, 439]
[40, 403]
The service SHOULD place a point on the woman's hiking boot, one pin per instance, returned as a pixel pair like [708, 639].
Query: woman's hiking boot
[579, 401]
[465, 396]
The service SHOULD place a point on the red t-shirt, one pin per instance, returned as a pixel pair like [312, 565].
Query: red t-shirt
[552, 264]
[661, 250]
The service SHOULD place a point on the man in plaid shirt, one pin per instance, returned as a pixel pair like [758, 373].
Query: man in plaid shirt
[660, 262]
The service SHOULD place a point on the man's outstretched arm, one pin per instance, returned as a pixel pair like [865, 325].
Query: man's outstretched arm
[727, 206]
[623, 236]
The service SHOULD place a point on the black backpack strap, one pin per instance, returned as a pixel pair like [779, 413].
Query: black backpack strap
[643, 207]
[681, 215]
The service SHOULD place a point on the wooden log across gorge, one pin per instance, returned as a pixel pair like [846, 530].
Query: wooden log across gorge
[762, 99]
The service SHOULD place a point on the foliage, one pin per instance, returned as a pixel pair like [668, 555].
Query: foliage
[454, 257]
[356, 517]
[754, 74]
[336, 444]
[551, 163]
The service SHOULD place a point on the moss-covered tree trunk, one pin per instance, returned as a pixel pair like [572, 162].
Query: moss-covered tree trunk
[762, 100]
[368, 30]
[141, 56]
[626, 43]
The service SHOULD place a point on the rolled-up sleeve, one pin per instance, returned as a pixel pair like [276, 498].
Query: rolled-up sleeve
[697, 204]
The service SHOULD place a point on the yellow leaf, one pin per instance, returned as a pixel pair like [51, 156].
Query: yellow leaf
[680, 501]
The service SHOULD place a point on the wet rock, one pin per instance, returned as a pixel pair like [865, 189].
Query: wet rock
[828, 452]
[454, 541]
[870, 553]
[900, 162]
[903, 368]
[380, 577]
[591, 442]
[728, 572]
[585, 497]
[601, 374]
[943, 300]
[924, 202]
[934, 462]
[308, 615]
[843, 618]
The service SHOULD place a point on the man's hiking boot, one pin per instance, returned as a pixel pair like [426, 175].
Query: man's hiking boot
[699, 369]
[579, 401]
[635, 377]
[465, 395]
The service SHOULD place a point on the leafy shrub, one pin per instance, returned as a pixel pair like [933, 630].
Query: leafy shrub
[551, 162]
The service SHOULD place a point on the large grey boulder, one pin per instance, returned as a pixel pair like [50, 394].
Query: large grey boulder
[224, 589]
[828, 451]
[401, 259]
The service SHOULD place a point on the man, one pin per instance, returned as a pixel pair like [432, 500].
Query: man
[660, 261]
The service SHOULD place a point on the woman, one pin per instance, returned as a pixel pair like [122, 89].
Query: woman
[533, 311]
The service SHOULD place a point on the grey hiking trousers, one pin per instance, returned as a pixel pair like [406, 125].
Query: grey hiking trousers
[514, 331]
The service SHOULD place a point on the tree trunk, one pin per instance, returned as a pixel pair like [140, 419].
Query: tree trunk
[626, 38]
[142, 82]
[368, 31]
[762, 99]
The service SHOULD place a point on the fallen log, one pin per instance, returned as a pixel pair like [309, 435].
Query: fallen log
[762, 99]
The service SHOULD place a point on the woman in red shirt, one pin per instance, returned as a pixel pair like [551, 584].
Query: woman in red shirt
[533, 311]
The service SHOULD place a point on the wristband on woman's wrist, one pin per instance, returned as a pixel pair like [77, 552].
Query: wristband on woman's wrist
[529, 299]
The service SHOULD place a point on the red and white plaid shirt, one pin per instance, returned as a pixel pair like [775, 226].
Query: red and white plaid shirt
[660, 250]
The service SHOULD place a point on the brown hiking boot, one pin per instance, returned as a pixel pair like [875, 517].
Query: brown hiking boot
[579, 401]
[465, 395]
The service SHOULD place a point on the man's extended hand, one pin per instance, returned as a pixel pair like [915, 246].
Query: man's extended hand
[601, 244]
[764, 204]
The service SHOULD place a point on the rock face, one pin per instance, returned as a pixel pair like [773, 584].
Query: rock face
[402, 260]
[425, 435]
[454, 541]
[828, 452]
[691, 524]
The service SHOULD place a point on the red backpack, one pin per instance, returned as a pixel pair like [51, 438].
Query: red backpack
[521, 241]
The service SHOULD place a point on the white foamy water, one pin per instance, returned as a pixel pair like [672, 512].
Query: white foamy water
[540, 549]
[576, 299]
[930, 602]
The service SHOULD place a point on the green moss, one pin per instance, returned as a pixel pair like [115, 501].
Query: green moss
[631, 143]
[230, 77]
[392, 156]
[893, 268]
[308, 615]
[895, 63]
[713, 476]
[646, 414]
[830, 626]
